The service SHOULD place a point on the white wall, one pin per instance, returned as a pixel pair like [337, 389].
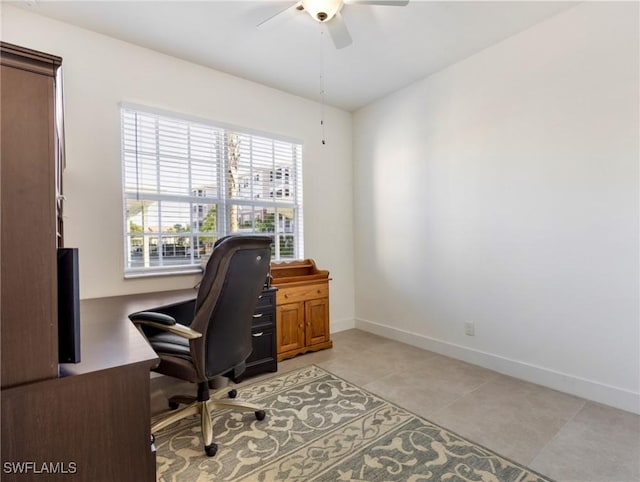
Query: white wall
[100, 72]
[504, 191]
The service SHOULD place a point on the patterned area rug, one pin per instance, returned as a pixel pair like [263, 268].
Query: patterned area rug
[322, 428]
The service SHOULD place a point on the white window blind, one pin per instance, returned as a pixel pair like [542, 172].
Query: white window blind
[186, 183]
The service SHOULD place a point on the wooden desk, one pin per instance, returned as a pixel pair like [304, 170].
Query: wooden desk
[93, 421]
[109, 339]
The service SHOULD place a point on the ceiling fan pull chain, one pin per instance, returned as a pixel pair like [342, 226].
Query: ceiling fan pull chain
[322, 81]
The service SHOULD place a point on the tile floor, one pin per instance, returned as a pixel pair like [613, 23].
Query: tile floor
[564, 437]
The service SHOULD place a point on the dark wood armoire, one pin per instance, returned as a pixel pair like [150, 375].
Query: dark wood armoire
[28, 191]
[84, 421]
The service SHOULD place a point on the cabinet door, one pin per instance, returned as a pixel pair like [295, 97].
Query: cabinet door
[317, 318]
[29, 280]
[290, 326]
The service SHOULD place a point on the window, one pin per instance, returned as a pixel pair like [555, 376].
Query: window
[186, 183]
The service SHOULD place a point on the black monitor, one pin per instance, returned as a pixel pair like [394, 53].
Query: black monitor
[68, 306]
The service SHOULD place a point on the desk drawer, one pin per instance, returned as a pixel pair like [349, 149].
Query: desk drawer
[263, 358]
[263, 319]
[267, 299]
[263, 330]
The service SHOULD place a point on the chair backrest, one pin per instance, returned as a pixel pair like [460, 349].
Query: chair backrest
[233, 279]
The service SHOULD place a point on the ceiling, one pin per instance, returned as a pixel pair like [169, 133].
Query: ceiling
[392, 46]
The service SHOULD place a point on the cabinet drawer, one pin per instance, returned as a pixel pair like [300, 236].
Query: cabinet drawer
[302, 293]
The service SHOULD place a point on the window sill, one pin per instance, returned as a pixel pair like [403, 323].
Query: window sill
[153, 274]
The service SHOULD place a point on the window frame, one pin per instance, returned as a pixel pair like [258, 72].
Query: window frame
[223, 200]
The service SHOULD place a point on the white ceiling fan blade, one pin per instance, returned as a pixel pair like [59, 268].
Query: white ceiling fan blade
[339, 32]
[389, 3]
[280, 17]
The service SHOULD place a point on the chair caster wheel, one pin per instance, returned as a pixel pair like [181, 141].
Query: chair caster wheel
[211, 449]
[173, 405]
[260, 415]
[233, 393]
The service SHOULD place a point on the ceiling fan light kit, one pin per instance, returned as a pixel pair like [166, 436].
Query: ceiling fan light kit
[328, 11]
[322, 10]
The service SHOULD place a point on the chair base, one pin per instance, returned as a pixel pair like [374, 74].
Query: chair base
[204, 405]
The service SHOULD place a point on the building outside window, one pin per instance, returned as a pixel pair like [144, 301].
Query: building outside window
[189, 182]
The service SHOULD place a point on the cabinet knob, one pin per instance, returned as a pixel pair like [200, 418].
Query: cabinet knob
[308, 324]
[318, 291]
[286, 295]
[300, 326]
[258, 315]
[257, 334]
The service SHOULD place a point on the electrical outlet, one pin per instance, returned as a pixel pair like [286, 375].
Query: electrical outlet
[469, 328]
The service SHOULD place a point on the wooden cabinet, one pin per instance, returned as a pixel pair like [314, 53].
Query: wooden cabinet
[302, 307]
[28, 191]
[263, 358]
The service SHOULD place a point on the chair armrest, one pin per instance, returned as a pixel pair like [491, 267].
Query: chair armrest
[182, 311]
[163, 322]
[153, 316]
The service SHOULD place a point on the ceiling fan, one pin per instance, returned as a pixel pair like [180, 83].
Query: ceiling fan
[328, 12]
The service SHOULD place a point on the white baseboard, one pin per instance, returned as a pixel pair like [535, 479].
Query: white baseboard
[342, 325]
[581, 387]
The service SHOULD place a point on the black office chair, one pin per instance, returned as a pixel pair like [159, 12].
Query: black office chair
[200, 340]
